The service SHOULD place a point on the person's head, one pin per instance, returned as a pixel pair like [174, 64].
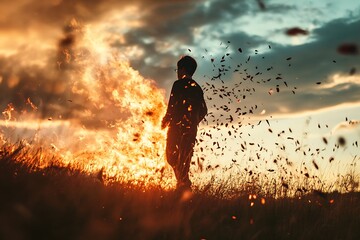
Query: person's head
[186, 66]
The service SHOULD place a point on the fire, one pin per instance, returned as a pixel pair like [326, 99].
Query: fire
[28, 101]
[117, 129]
[7, 113]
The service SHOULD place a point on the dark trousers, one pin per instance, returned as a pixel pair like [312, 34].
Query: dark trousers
[179, 150]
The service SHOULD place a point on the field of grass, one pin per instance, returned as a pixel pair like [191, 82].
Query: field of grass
[63, 203]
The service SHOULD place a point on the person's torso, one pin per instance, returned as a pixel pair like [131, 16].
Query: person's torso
[188, 98]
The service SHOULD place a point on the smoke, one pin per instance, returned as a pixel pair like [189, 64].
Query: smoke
[82, 79]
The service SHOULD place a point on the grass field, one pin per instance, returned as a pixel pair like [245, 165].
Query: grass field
[63, 203]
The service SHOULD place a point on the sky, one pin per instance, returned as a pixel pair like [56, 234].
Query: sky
[306, 80]
[153, 36]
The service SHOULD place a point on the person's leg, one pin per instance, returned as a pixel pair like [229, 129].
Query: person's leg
[172, 147]
[186, 150]
[173, 152]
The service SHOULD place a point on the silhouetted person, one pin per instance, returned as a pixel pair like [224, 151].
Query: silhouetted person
[185, 111]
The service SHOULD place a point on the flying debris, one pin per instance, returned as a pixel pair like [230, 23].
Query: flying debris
[261, 5]
[341, 141]
[315, 165]
[230, 103]
[348, 49]
[352, 71]
[296, 31]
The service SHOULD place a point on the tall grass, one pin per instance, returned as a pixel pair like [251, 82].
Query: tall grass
[60, 202]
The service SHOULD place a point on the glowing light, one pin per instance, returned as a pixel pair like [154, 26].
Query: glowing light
[131, 148]
[341, 81]
[8, 112]
[13, 81]
[28, 101]
[252, 196]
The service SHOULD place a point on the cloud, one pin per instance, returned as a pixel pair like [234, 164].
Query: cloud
[302, 66]
[341, 81]
[162, 22]
[349, 125]
[289, 73]
[317, 60]
[162, 31]
[172, 24]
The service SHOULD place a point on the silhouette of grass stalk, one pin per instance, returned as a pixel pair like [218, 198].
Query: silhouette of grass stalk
[58, 202]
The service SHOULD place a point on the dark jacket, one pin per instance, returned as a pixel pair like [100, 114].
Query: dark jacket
[186, 106]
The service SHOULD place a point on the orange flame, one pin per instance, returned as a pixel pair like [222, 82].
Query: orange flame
[8, 112]
[129, 147]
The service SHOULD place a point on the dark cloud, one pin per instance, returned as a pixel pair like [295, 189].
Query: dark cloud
[289, 73]
[173, 22]
[162, 22]
[296, 31]
[300, 66]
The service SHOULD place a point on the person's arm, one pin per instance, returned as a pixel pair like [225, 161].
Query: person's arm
[203, 108]
[170, 109]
